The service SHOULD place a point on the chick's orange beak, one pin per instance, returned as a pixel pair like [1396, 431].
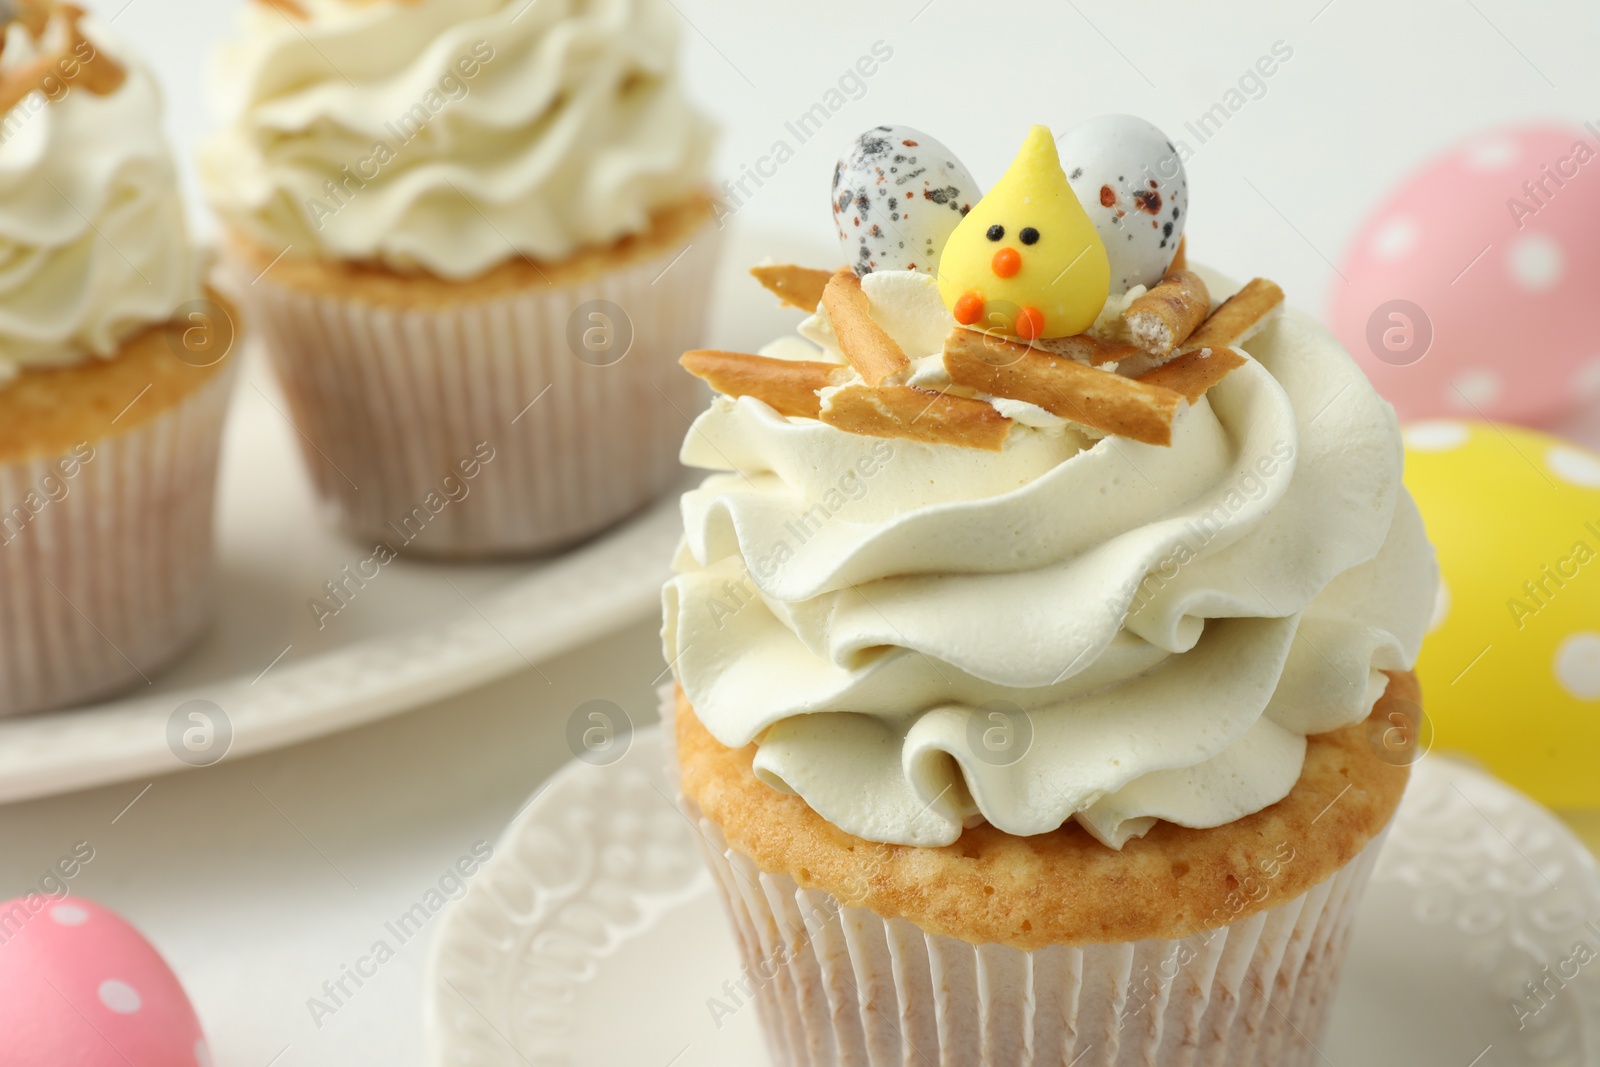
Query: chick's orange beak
[1006, 262]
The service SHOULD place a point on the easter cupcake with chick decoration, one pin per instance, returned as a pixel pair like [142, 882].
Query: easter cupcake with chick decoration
[1043, 618]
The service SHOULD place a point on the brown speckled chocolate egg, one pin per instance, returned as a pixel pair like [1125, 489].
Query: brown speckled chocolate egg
[897, 194]
[1130, 179]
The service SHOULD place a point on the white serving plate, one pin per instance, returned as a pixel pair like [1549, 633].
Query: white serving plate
[417, 633]
[594, 936]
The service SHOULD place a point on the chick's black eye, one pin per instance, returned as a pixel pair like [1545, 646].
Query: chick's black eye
[1028, 236]
[996, 232]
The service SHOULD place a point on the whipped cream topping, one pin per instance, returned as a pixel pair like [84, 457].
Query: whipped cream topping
[452, 135]
[920, 637]
[93, 244]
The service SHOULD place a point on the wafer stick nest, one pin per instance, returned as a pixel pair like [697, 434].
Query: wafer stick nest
[798, 287]
[917, 415]
[1086, 349]
[1097, 398]
[1064, 375]
[1163, 318]
[1239, 318]
[1194, 372]
[1142, 408]
[794, 387]
[788, 386]
[871, 351]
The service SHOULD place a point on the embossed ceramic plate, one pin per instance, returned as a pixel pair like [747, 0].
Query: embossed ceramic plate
[281, 671]
[594, 937]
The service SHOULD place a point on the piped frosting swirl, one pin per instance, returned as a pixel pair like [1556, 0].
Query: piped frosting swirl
[921, 636]
[93, 243]
[452, 135]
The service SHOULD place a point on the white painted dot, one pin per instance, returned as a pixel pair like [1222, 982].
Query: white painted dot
[119, 996]
[1578, 666]
[1435, 435]
[1575, 466]
[1474, 389]
[1495, 154]
[1587, 380]
[69, 915]
[1441, 606]
[202, 1055]
[1396, 238]
[1536, 262]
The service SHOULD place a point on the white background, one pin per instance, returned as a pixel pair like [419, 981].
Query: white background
[259, 878]
[1374, 87]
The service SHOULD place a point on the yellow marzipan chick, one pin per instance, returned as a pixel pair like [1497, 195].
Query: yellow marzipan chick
[1027, 260]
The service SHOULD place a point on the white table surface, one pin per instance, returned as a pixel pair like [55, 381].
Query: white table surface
[260, 878]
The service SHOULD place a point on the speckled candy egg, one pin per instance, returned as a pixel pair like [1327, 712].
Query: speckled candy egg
[80, 986]
[1471, 289]
[897, 194]
[1130, 180]
[1511, 669]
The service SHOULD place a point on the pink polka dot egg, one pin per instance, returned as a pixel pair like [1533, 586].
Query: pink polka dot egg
[1510, 669]
[1469, 292]
[80, 987]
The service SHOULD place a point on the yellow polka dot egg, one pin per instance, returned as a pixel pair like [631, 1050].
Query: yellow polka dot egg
[1511, 668]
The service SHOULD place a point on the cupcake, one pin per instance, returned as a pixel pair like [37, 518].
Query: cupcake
[476, 235]
[1043, 633]
[113, 376]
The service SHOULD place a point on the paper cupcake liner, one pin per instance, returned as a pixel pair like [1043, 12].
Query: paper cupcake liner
[836, 984]
[106, 573]
[392, 402]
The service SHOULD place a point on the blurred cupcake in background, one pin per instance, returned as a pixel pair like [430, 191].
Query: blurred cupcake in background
[113, 381]
[476, 235]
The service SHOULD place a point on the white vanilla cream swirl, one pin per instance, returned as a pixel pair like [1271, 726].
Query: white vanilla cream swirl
[452, 135]
[1171, 622]
[93, 246]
